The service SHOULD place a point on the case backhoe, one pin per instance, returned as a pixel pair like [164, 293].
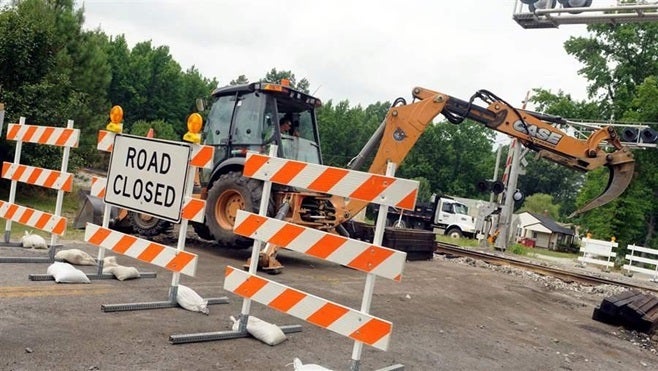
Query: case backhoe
[246, 118]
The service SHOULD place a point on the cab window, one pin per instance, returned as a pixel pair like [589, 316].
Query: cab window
[249, 113]
[216, 129]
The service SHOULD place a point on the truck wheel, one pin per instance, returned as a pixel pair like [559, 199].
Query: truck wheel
[399, 224]
[230, 193]
[395, 223]
[148, 225]
[454, 233]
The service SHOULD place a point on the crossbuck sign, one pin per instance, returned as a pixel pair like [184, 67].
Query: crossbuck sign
[148, 175]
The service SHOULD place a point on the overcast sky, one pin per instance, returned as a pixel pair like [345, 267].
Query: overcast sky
[363, 51]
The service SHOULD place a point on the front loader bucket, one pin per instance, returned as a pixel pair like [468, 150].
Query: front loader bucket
[91, 211]
[620, 177]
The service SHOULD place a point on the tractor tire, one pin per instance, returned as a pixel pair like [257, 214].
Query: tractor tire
[147, 225]
[202, 231]
[230, 193]
[454, 233]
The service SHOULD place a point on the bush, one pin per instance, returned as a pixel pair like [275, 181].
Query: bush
[518, 249]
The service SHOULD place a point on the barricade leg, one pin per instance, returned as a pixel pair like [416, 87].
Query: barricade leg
[173, 290]
[246, 303]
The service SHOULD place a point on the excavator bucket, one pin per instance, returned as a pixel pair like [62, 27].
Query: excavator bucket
[620, 177]
[91, 210]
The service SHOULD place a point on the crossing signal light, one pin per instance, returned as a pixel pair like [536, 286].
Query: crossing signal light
[494, 186]
[635, 135]
[649, 135]
[575, 4]
[629, 134]
[539, 4]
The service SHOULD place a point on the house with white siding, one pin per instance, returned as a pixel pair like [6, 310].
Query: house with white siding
[542, 231]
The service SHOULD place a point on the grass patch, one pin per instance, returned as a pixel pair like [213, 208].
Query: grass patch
[43, 200]
[555, 254]
[464, 242]
[518, 249]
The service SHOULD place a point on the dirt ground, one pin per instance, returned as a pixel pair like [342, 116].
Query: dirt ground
[446, 315]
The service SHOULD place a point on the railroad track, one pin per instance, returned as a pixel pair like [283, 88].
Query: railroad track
[566, 276]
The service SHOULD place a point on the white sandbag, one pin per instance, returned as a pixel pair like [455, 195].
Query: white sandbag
[299, 366]
[123, 273]
[190, 300]
[110, 261]
[75, 256]
[33, 241]
[66, 273]
[264, 331]
[109, 269]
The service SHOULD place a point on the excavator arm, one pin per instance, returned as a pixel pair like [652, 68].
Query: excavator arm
[404, 123]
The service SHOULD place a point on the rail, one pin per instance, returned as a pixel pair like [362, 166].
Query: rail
[567, 276]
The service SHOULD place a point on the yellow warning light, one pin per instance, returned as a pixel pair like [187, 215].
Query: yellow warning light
[116, 115]
[116, 120]
[194, 125]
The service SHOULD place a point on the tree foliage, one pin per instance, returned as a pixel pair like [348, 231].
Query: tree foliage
[621, 64]
[541, 203]
[52, 71]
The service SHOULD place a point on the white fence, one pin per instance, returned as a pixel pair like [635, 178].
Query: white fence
[598, 252]
[639, 264]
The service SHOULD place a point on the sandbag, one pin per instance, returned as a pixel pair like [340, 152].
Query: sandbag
[123, 273]
[190, 300]
[264, 331]
[66, 273]
[110, 261]
[35, 241]
[75, 256]
[299, 366]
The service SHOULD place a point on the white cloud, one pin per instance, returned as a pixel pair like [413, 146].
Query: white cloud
[362, 51]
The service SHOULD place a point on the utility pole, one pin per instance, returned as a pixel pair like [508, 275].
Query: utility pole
[505, 219]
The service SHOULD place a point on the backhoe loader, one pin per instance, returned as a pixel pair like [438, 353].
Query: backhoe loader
[245, 118]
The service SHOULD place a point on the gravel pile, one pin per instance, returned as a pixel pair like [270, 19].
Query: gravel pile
[548, 282]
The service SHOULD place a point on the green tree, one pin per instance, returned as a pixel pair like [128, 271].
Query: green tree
[540, 203]
[621, 65]
[162, 129]
[52, 71]
[452, 157]
[242, 79]
[616, 59]
[275, 76]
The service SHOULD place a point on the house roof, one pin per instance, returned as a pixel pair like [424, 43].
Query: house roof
[552, 224]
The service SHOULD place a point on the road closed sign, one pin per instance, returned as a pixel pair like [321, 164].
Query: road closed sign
[148, 175]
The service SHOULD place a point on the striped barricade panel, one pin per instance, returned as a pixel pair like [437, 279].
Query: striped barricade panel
[202, 156]
[105, 140]
[355, 254]
[98, 186]
[193, 209]
[384, 190]
[340, 319]
[37, 176]
[33, 218]
[54, 136]
[140, 249]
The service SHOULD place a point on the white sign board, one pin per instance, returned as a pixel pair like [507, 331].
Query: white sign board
[148, 175]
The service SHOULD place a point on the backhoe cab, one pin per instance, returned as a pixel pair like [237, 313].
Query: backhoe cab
[245, 118]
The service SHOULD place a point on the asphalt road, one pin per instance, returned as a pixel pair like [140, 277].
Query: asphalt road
[446, 316]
